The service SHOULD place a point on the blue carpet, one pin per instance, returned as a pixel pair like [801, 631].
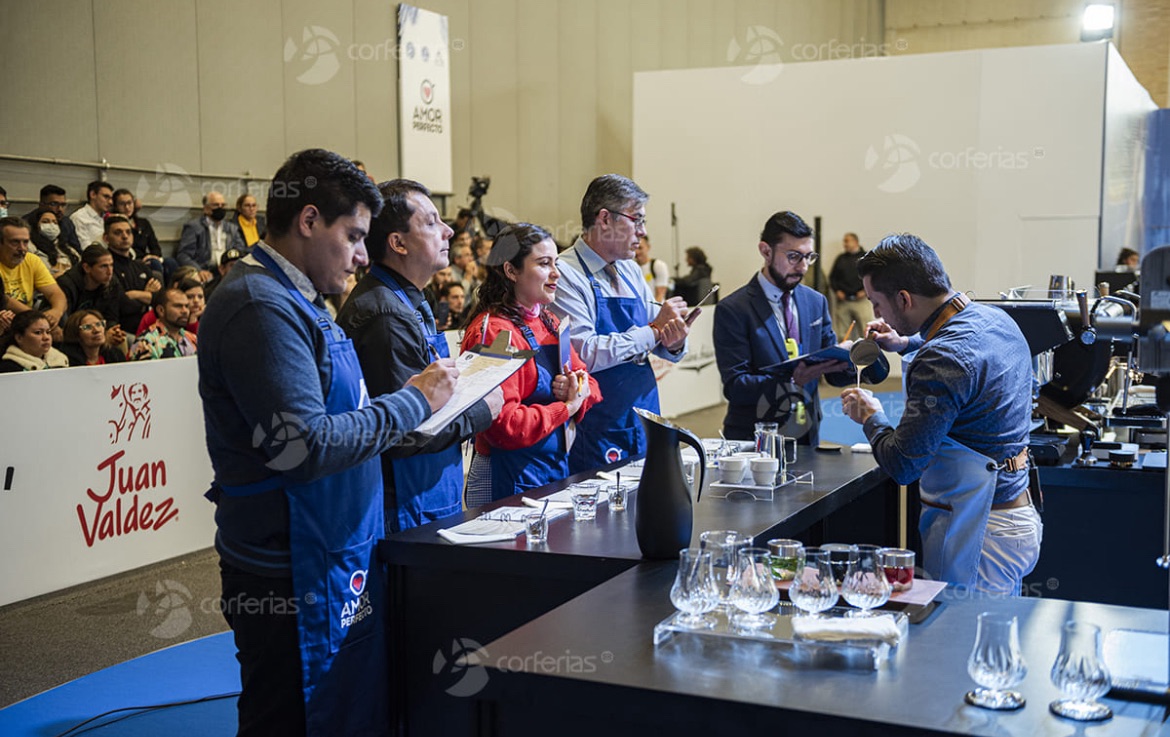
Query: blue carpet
[189, 671]
[837, 428]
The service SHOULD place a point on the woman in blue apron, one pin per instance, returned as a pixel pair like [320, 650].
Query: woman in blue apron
[334, 523]
[527, 446]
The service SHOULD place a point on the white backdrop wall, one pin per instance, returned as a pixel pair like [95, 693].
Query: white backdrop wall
[993, 157]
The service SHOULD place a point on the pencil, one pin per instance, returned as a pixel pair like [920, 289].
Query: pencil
[850, 330]
[434, 352]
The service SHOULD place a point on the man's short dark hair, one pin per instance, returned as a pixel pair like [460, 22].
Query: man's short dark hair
[12, 221]
[94, 253]
[97, 185]
[395, 215]
[784, 223]
[321, 178]
[3, 192]
[112, 220]
[445, 290]
[904, 262]
[51, 190]
[611, 192]
[162, 296]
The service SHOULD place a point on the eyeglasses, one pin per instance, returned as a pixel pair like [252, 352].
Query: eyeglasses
[639, 221]
[795, 256]
[90, 327]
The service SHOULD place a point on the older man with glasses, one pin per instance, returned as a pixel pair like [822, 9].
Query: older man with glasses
[768, 321]
[609, 305]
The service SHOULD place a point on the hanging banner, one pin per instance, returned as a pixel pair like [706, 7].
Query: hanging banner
[106, 473]
[424, 98]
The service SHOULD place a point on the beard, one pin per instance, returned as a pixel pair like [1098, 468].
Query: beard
[786, 283]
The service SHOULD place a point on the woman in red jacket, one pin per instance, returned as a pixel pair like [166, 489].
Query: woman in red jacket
[526, 445]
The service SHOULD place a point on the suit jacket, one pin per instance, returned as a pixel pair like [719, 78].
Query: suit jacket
[195, 242]
[749, 345]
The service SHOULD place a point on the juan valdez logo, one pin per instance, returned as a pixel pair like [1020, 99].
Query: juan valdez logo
[129, 497]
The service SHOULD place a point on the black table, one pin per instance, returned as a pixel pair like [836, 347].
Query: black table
[450, 599]
[590, 667]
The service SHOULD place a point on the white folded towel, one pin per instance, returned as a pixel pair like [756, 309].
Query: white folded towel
[456, 538]
[835, 629]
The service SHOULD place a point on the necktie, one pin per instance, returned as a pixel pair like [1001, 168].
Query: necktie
[791, 325]
[428, 318]
[612, 272]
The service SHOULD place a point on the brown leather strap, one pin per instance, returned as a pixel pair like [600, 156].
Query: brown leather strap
[953, 307]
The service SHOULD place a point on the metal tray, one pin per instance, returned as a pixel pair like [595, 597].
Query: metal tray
[720, 490]
[780, 639]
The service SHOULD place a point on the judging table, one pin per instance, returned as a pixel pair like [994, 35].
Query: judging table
[450, 600]
[604, 675]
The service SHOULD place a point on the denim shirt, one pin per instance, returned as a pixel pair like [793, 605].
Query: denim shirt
[972, 382]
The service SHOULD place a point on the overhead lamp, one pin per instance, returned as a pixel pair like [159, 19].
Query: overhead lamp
[1098, 21]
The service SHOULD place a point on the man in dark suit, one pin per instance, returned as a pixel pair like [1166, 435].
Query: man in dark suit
[769, 320]
[206, 238]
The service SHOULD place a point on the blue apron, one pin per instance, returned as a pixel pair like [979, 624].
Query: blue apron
[514, 471]
[611, 430]
[334, 523]
[427, 486]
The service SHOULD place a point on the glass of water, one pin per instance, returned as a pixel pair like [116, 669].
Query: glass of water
[584, 503]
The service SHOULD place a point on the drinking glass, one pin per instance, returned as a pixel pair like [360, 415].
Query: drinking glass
[694, 592]
[786, 556]
[898, 565]
[996, 663]
[753, 590]
[865, 585]
[813, 590]
[584, 503]
[617, 498]
[723, 545]
[536, 527]
[1080, 674]
[767, 435]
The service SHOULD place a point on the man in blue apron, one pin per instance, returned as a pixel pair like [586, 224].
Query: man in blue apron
[293, 438]
[772, 319]
[609, 305]
[964, 433]
[393, 331]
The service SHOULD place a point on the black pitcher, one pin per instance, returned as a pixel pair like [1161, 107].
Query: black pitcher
[663, 517]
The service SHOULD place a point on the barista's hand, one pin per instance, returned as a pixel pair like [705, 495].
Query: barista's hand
[860, 404]
[670, 324]
[564, 386]
[806, 372]
[436, 382]
[885, 336]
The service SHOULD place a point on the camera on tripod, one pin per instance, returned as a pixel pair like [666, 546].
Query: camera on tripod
[479, 187]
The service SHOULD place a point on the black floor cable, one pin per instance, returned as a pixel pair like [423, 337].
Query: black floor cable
[81, 726]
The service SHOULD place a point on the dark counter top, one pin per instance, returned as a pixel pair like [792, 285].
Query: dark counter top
[626, 683]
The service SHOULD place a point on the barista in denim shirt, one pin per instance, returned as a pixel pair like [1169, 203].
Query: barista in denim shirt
[964, 433]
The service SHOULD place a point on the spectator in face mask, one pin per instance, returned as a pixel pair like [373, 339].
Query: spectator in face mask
[206, 238]
[49, 242]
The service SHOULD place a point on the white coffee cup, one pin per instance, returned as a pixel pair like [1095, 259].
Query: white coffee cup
[764, 470]
[732, 469]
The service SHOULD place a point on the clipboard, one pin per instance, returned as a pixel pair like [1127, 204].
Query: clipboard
[501, 347]
[564, 343]
[832, 353]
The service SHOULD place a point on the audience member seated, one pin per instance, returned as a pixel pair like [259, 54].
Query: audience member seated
[431, 291]
[135, 277]
[85, 341]
[252, 226]
[226, 261]
[91, 286]
[205, 238]
[53, 198]
[89, 220]
[26, 280]
[481, 248]
[526, 446]
[196, 301]
[169, 337]
[4, 203]
[145, 242]
[452, 299]
[48, 242]
[695, 285]
[29, 345]
[1128, 260]
[463, 268]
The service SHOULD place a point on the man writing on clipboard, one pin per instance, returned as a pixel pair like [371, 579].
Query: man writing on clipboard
[772, 319]
[609, 304]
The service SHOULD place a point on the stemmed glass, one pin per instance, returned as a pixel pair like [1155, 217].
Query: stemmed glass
[1080, 673]
[694, 592]
[996, 663]
[723, 545]
[865, 585]
[814, 589]
[753, 590]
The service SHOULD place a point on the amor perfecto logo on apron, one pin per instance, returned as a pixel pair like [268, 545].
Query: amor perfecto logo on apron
[128, 496]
